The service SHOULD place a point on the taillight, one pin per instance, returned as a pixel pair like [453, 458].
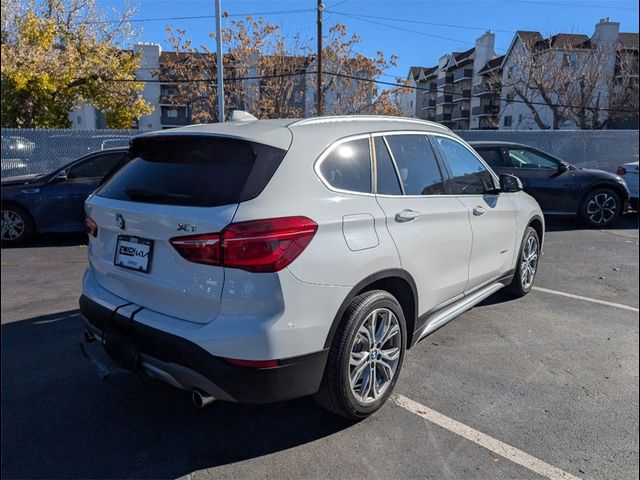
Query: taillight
[199, 248]
[257, 245]
[621, 171]
[90, 226]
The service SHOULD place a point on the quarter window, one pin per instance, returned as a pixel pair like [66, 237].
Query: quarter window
[417, 164]
[388, 183]
[468, 175]
[348, 166]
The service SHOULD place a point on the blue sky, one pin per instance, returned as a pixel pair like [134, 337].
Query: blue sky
[418, 42]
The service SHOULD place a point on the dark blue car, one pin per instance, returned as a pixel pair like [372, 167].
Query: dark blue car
[54, 202]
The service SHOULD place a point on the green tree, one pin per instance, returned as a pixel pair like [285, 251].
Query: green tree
[57, 54]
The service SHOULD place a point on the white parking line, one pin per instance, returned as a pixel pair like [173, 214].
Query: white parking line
[586, 299]
[490, 443]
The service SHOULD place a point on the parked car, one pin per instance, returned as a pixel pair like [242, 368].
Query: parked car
[596, 197]
[54, 202]
[629, 172]
[258, 261]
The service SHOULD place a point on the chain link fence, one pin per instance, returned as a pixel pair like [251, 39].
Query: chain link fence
[32, 151]
[601, 149]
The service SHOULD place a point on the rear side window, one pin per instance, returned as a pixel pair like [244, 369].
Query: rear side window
[417, 164]
[468, 175]
[493, 156]
[348, 166]
[190, 170]
[388, 183]
[97, 166]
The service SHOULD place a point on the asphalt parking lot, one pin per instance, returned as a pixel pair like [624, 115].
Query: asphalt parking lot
[541, 387]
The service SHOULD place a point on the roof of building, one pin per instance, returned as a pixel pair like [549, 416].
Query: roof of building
[460, 56]
[563, 41]
[491, 65]
[628, 41]
[414, 72]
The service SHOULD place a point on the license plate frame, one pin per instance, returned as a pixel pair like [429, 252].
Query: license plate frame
[132, 242]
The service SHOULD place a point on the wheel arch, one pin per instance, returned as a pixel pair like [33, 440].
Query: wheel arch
[537, 224]
[398, 283]
[25, 209]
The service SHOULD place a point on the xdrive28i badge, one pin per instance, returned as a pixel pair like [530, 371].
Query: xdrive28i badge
[120, 221]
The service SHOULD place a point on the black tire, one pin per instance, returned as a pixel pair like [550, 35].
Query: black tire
[21, 231]
[600, 207]
[336, 393]
[519, 287]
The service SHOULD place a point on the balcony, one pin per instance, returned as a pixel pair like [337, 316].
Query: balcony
[431, 87]
[443, 117]
[461, 96]
[485, 110]
[460, 114]
[464, 74]
[448, 80]
[429, 102]
[442, 99]
[484, 89]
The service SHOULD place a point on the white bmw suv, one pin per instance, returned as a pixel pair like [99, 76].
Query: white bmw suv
[262, 260]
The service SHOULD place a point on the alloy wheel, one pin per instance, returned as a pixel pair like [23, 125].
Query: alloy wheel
[13, 225]
[375, 355]
[602, 207]
[529, 262]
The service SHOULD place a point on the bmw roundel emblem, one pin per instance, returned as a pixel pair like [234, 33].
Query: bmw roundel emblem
[120, 221]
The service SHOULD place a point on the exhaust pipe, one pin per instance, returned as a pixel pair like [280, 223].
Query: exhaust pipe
[201, 399]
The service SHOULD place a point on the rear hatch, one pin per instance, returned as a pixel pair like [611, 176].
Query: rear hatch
[174, 186]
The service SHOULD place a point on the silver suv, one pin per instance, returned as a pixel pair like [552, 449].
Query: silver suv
[258, 261]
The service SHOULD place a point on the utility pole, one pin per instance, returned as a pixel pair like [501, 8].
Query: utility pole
[219, 63]
[319, 72]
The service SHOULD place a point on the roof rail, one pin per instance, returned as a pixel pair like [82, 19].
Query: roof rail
[377, 118]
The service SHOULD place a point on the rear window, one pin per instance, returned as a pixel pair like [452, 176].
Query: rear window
[201, 171]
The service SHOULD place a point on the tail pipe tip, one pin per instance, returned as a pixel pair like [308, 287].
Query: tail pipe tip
[201, 399]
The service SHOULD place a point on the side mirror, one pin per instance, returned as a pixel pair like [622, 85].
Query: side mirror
[564, 167]
[510, 184]
[61, 176]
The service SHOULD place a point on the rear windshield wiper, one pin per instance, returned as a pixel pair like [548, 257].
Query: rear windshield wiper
[149, 194]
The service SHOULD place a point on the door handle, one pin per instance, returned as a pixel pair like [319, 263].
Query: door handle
[477, 211]
[406, 216]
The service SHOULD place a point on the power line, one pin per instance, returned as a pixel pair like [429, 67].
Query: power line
[420, 22]
[353, 77]
[579, 5]
[201, 17]
[403, 29]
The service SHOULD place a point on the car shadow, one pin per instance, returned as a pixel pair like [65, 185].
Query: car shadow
[628, 221]
[59, 420]
[51, 240]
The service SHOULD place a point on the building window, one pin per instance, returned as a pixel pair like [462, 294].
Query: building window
[570, 60]
[520, 118]
[508, 120]
[172, 113]
[338, 96]
[510, 71]
[79, 120]
[411, 104]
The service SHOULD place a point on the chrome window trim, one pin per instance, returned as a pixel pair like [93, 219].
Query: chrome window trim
[329, 150]
[370, 136]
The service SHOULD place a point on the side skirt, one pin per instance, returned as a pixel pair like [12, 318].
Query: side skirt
[437, 319]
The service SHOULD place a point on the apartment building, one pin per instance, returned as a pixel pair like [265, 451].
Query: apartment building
[475, 89]
[444, 93]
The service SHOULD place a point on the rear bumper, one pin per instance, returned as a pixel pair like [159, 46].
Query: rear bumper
[184, 364]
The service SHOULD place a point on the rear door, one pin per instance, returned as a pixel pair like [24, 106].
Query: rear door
[174, 186]
[428, 224]
[492, 215]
